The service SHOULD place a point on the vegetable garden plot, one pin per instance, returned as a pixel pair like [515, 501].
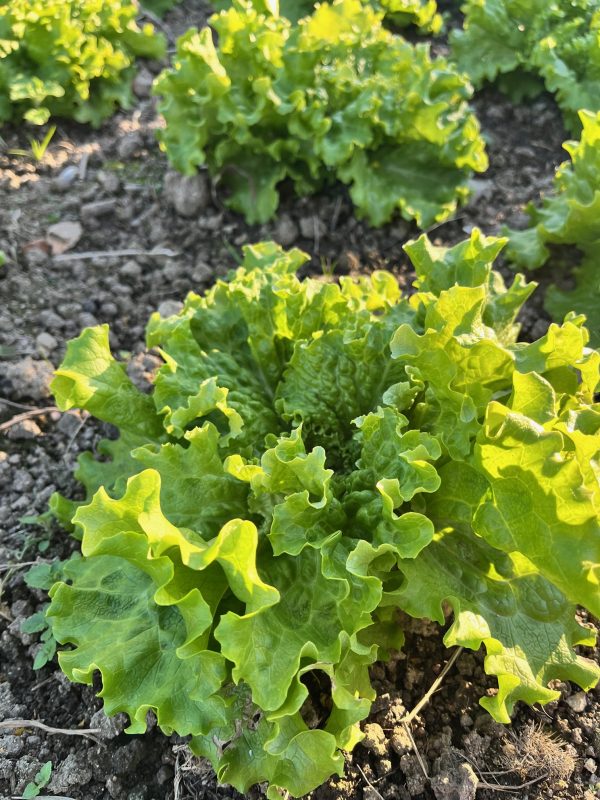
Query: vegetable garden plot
[319, 467]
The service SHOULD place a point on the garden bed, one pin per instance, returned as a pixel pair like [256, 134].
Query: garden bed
[147, 238]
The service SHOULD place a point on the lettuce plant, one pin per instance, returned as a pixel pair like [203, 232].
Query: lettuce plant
[336, 96]
[527, 44]
[421, 13]
[570, 217]
[70, 58]
[313, 458]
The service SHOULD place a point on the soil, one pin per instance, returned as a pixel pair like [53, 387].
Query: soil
[115, 182]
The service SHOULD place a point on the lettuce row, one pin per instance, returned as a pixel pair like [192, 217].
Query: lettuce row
[70, 58]
[315, 457]
[335, 97]
[529, 44]
[570, 216]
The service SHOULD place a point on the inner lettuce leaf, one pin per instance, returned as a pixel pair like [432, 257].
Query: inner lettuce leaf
[314, 458]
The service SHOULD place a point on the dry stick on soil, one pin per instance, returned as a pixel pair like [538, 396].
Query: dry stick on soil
[408, 718]
[27, 415]
[88, 733]
[368, 782]
[84, 418]
[433, 688]
[23, 564]
[496, 787]
[4, 401]
[131, 251]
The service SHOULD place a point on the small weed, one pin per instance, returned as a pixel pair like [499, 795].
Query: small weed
[37, 148]
[328, 266]
[41, 779]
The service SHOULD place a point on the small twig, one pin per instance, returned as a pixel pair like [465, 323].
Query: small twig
[47, 680]
[176, 778]
[368, 782]
[131, 251]
[4, 401]
[84, 418]
[34, 723]
[498, 788]
[433, 688]
[38, 412]
[416, 751]
[23, 564]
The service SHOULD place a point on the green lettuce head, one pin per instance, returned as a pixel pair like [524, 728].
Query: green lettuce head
[314, 458]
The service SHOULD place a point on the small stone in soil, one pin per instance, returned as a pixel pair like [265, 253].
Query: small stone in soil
[188, 194]
[286, 231]
[21, 431]
[109, 181]
[129, 146]
[73, 771]
[130, 269]
[312, 227]
[99, 208]
[46, 342]
[66, 178]
[577, 702]
[169, 307]
[142, 83]
[109, 727]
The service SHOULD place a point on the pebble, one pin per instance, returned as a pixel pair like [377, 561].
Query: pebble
[29, 379]
[98, 208]
[11, 745]
[66, 178]
[109, 310]
[286, 231]
[169, 307]
[142, 83]
[188, 194]
[129, 146]
[312, 227]
[109, 181]
[87, 320]
[130, 269]
[590, 765]
[22, 481]
[73, 771]
[577, 702]
[46, 342]
[109, 727]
